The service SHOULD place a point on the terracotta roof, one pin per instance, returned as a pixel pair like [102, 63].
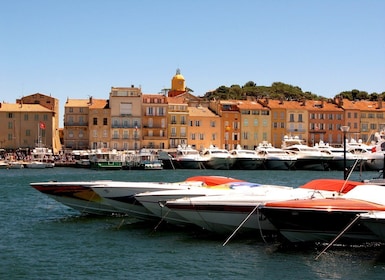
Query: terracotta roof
[200, 112]
[364, 105]
[250, 105]
[176, 100]
[98, 103]
[8, 107]
[77, 103]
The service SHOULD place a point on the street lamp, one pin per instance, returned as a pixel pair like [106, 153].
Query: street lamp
[345, 129]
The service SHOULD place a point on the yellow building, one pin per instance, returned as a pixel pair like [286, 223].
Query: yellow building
[99, 123]
[126, 118]
[154, 121]
[204, 128]
[255, 124]
[177, 117]
[26, 126]
[52, 104]
[76, 125]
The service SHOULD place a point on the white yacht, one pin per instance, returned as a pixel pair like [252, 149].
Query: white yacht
[217, 158]
[275, 158]
[246, 159]
[308, 158]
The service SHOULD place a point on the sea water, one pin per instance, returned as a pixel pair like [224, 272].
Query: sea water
[43, 239]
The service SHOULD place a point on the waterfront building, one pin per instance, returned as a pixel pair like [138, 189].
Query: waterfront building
[126, 118]
[255, 119]
[177, 118]
[76, 125]
[154, 120]
[277, 122]
[99, 123]
[372, 118]
[204, 128]
[325, 121]
[352, 117]
[230, 122]
[25, 126]
[51, 104]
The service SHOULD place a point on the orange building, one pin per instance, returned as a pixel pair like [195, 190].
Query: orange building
[230, 122]
[204, 128]
[325, 121]
[99, 123]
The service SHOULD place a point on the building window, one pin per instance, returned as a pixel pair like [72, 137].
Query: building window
[291, 117]
[197, 123]
[192, 136]
[26, 117]
[105, 122]
[300, 118]
[28, 132]
[212, 123]
[95, 121]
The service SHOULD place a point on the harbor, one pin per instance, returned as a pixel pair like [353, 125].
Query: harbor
[46, 239]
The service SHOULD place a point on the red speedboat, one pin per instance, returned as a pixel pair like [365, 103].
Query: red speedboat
[321, 220]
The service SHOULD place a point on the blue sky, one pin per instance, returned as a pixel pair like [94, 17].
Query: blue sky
[80, 48]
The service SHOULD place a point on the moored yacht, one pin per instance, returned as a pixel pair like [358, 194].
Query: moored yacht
[216, 158]
[246, 159]
[308, 158]
[275, 158]
[187, 157]
[338, 161]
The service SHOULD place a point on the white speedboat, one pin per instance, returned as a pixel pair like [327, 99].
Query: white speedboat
[216, 158]
[246, 159]
[188, 158]
[78, 195]
[81, 196]
[121, 195]
[224, 213]
[155, 201]
[308, 158]
[276, 158]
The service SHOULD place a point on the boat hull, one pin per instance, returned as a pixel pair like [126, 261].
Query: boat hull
[77, 196]
[319, 221]
[375, 222]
